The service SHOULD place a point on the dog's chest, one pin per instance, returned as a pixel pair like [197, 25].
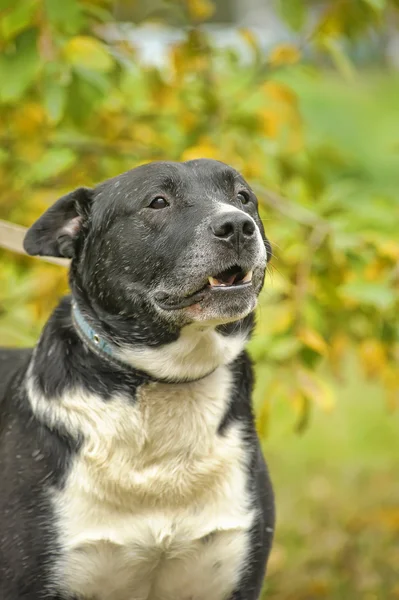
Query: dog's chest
[191, 554]
[156, 506]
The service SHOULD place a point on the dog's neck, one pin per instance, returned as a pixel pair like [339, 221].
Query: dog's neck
[63, 360]
[195, 355]
[196, 352]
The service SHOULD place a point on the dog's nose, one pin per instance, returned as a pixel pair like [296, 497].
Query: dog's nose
[233, 227]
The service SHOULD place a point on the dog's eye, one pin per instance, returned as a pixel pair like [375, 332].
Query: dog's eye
[243, 197]
[159, 202]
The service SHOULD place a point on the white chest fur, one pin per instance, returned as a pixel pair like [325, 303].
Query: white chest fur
[155, 506]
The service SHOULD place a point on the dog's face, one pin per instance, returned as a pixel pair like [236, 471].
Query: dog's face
[185, 239]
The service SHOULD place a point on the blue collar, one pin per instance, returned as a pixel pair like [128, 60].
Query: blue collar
[108, 352]
[95, 342]
[88, 333]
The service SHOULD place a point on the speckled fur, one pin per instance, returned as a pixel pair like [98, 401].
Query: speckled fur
[117, 486]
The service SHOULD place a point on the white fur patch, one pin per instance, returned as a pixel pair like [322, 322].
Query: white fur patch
[72, 226]
[222, 207]
[198, 351]
[155, 506]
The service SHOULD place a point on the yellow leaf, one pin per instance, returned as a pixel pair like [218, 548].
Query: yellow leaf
[279, 92]
[301, 406]
[29, 149]
[284, 54]
[313, 340]
[205, 149]
[389, 249]
[189, 121]
[84, 51]
[200, 10]
[270, 122]
[314, 388]
[250, 38]
[295, 140]
[330, 26]
[185, 59]
[391, 385]
[373, 357]
[253, 169]
[144, 133]
[282, 318]
[337, 349]
[374, 270]
[29, 118]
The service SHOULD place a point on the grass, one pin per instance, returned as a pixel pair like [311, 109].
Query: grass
[337, 497]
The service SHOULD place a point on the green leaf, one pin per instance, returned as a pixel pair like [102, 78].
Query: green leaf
[89, 53]
[374, 294]
[258, 347]
[283, 348]
[98, 12]
[52, 164]
[378, 5]
[18, 69]
[54, 100]
[96, 79]
[293, 13]
[66, 15]
[17, 19]
[339, 57]
[84, 96]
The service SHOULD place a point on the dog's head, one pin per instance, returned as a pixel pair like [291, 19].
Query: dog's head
[183, 240]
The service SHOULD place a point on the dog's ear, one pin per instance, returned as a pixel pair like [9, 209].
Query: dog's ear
[57, 231]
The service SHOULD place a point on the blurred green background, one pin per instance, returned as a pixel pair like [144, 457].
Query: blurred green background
[302, 97]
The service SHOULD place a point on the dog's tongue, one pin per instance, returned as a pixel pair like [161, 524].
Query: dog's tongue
[213, 282]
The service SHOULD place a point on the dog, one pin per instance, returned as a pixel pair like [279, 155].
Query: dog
[130, 464]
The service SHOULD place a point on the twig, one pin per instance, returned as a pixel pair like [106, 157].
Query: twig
[11, 238]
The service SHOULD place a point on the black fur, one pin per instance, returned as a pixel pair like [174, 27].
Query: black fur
[126, 256]
[32, 458]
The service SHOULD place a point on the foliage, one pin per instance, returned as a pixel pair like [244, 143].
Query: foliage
[76, 109]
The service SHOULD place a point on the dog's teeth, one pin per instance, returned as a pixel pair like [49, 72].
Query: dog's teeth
[248, 277]
[214, 282]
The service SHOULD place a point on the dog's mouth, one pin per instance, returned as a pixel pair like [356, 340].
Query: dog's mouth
[233, 278]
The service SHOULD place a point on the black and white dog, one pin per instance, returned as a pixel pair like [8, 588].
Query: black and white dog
[130, 466]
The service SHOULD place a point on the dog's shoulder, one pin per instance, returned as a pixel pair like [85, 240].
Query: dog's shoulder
[13, 361]
[33, 458]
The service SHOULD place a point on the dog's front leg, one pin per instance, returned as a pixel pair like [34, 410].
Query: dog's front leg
[250, 587]
[261, 536]
[253, 577]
